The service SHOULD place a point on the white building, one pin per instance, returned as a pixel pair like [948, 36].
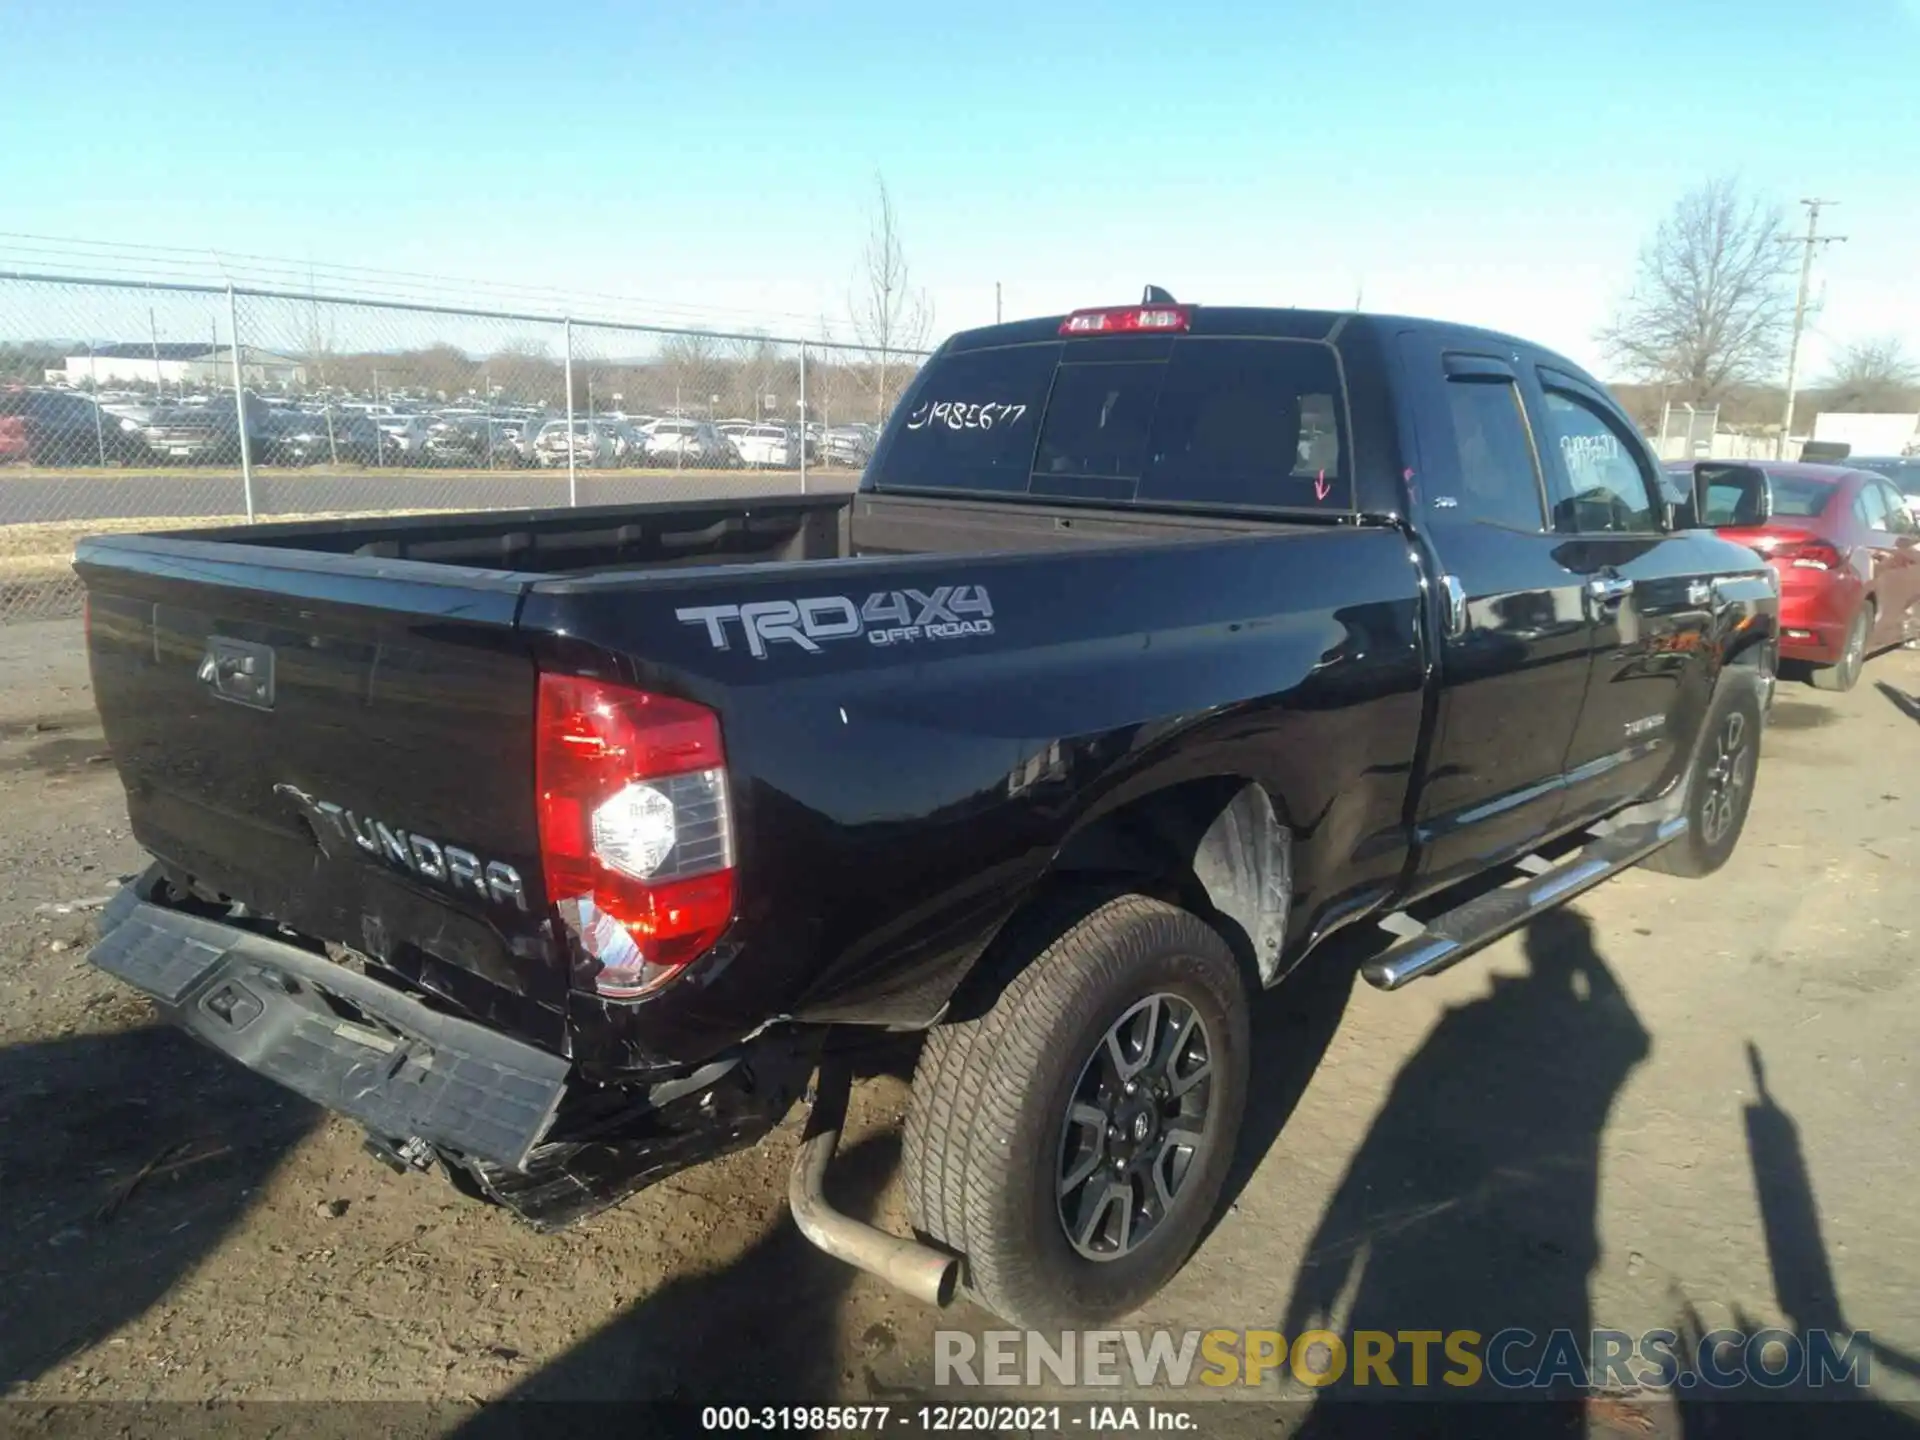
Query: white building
[177, 364]
[1869, 434]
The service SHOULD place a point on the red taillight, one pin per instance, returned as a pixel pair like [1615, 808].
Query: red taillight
[1804, 552]
[1126, 319]
[636, 836]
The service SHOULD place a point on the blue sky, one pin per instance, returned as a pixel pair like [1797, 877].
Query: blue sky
[721, 155]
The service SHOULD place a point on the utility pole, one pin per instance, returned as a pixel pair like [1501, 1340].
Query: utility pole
[153, 330]
[1812, 239]
[996, 302]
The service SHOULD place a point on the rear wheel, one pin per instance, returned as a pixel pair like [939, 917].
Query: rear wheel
[1072, 1141]
[1845, 674]
[1719, 787]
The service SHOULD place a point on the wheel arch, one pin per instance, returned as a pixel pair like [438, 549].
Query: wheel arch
[1219, 846]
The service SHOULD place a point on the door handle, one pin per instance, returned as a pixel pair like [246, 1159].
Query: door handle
[1608, 589]
[1456, 611]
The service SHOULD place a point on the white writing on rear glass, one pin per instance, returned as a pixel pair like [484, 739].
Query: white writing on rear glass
[961, 415]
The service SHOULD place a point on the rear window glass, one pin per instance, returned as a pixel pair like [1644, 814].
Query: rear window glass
[972, 421]
[1800, 498]
[1226, 422]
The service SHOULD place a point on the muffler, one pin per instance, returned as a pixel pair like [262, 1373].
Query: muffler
[920, 1270]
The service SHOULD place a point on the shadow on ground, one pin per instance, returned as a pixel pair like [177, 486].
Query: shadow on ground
[1471, 1202]
[125, 1159]
[1805, 1291]
[1907, 705]
[1293, 1024]
[762, 1330]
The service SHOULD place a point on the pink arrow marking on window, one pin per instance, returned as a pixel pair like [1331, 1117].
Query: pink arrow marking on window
[1320, 487]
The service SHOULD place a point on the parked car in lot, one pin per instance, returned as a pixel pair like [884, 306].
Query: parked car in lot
[194, 434]
[473, 440]
[549, 846]
[1844, 544]
[590, 444]
[629, 445]
[850, 445]
[406, 435]
[767, 447]
[344, 438]
[1902, 470]
[688, 442]
[58, 427]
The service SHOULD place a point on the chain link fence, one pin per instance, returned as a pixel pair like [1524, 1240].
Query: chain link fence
[1686, 431]
[130, 406]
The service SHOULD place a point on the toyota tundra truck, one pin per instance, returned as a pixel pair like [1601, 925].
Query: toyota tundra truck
[1158, 644]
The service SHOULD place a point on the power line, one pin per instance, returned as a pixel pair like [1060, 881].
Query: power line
[174, 262]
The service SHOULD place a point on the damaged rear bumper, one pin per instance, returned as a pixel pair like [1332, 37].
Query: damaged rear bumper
[405, 1071]
[511, 1121]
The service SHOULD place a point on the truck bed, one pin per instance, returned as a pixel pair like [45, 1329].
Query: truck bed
[281, 699]
[678, 534]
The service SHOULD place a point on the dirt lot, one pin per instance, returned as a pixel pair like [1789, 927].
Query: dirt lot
[1566, 1131]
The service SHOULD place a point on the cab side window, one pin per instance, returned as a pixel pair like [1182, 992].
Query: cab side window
[1902, 516]
[1598, 483]
[1870, 508]
[1499, 473]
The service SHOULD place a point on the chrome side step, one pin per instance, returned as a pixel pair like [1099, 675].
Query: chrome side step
[1452, 936]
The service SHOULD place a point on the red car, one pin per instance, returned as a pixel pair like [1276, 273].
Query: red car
[1845, 545]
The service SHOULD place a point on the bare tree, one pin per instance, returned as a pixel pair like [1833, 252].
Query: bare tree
[1711, 305]
[524, 370]
[889, 315]
[829, 397]
[1871, 375]
[320, 341]
[691, 365]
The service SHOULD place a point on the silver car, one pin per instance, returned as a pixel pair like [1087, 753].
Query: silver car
[589, 443]
[687, 442]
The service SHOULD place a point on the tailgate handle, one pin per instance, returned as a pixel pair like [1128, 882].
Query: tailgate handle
[238, 670]
[1605, 590]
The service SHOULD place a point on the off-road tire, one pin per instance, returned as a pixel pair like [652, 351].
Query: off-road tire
[984, 1130]
[1715, 819]
[1853, 655]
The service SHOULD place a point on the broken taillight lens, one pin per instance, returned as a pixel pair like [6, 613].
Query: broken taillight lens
[636, 835]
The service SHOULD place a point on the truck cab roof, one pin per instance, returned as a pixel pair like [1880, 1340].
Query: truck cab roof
[1272, 323]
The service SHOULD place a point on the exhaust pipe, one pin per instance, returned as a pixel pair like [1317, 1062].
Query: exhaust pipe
[919, 1270]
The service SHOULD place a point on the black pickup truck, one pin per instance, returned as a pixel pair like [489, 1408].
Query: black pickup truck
[1158, 644]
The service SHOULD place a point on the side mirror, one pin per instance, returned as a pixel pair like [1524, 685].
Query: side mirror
[1755, 506]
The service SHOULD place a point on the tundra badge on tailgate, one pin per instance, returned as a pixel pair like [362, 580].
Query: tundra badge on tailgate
[446, 865]
[889, 617]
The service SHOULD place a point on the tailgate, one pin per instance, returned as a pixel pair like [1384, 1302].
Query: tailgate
[342, 745]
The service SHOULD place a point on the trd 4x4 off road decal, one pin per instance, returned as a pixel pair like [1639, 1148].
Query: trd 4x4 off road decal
[888, 617]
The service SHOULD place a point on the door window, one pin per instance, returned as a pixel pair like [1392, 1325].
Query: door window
[1599, 484]
[1870, 508]
[1499, 474]
[1900, 516]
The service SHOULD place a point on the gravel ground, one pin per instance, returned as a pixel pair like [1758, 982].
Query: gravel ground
[1572, 1129]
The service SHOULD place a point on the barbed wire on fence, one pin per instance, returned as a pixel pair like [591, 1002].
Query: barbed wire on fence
[171, 404]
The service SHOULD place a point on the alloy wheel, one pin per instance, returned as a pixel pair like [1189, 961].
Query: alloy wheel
[1136, 1124]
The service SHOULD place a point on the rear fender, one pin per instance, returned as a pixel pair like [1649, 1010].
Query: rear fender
[1218, 846]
